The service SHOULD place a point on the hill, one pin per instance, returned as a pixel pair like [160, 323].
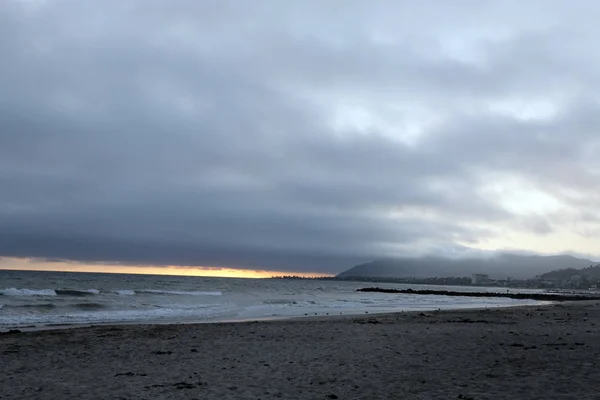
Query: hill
[500, 266]
[573, 274]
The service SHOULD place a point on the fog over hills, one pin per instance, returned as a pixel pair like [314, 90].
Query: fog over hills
[499, 266]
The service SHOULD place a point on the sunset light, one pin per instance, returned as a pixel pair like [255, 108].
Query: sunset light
[32, 264]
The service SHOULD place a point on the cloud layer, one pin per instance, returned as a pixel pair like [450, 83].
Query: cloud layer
[296, 136]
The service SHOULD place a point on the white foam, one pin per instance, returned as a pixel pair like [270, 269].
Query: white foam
[159, 314]
[125, 292]
[27, 292]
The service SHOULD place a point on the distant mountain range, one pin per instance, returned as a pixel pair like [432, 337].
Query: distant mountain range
[500, 266]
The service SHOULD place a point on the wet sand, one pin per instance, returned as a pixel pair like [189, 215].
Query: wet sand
[545, 352]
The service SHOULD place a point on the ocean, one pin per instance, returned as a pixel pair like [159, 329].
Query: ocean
[33, 299]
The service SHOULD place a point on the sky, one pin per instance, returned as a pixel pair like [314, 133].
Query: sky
[297, 136]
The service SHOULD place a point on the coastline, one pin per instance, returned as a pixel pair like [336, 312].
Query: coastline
[547, 351]
[226, 320]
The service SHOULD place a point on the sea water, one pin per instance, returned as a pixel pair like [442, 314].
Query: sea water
[42, 299]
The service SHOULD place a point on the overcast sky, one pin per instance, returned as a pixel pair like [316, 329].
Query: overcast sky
[297, 135]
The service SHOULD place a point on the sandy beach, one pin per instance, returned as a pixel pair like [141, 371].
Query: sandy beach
[546, 352]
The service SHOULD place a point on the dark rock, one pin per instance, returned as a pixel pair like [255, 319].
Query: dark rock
[154, 386]
[332, 396]
[184, 385]
[531, 296]
[11, 332]
[472, 321]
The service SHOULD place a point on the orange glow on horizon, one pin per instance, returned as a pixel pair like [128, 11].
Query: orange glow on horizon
[27, 264]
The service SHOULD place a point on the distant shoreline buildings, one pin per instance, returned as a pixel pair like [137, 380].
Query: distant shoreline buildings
[480, 279]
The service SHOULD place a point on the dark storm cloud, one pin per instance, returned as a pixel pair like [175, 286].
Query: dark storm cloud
[197, 133]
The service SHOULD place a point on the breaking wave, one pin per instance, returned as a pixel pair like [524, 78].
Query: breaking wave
[125, 292]
[94, 292]
[48, 292]
[27, 292]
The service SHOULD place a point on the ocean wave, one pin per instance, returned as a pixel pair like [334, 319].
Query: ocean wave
[108, 314]
[125, 292]
[88, 306]
[76, 292]
[282, 302]
[48, 292]
[27, 292]
[94, 292]
[49, 306]
[181, 293]
[43, 306]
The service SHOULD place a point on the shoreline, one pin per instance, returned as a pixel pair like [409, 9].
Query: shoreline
[544, 351]
[176, 322]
